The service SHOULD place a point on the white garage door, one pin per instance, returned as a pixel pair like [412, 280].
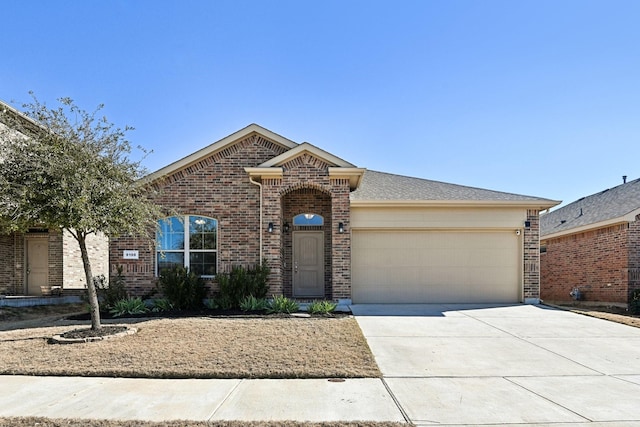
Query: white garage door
[435, 267]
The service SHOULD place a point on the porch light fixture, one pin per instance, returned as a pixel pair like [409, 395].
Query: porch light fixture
[270, 227]
[340, 227]
[285, 227]
[527, 224]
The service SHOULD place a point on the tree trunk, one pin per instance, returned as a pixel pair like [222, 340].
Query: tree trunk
[91, 288]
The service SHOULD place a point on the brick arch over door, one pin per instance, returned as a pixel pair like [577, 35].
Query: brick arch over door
[297, 200]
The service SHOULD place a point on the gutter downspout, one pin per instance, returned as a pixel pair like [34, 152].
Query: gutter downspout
[260, 228]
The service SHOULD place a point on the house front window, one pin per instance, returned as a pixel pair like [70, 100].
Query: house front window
[189, 241]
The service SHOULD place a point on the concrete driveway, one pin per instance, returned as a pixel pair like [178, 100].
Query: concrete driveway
[505, 364]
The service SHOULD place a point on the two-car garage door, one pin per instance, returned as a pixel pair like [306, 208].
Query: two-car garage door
[435, 266]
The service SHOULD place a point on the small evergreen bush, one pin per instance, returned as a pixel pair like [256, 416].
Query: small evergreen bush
[183, 289]
[242, 282]
[111, 292]
[634, 301]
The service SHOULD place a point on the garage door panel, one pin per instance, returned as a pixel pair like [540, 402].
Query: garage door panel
[435, 266]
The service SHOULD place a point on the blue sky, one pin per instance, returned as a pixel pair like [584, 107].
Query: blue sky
[531, 97]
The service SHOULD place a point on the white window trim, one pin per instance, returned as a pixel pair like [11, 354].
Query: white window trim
[186, 251]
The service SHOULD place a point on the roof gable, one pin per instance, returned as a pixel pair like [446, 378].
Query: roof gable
[610, 206]
[379, 188]
[220, 145]
[306, 148]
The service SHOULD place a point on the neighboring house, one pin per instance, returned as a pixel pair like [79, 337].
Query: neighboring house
[593, 244]
[331, 230]
[41, 260]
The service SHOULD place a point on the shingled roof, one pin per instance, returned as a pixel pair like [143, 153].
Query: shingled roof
[613, 205]
[386, 187]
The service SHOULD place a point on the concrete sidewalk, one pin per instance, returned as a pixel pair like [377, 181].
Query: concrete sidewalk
[442, 365]
[197, 400]
[500, 365]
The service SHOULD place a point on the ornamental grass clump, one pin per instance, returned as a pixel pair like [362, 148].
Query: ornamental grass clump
[322, 307]
[128, 306]
[251, 303]
[282, 304]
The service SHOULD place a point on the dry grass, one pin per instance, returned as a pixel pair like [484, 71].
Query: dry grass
[199, 347]
[47, 422]
[611, 313]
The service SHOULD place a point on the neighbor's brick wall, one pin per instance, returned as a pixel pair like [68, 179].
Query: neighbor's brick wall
[56, 267]
[633, 271]
[72, 266]
[595, 261]
[216, 187]
[12, 270]
[7, 265]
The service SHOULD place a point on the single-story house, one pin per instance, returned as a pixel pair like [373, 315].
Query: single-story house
[592, 246]
[41, 260]
[331, 230]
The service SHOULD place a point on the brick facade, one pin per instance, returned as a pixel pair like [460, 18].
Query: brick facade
[531, 259]
[219, 187]
[65, 264]
[604, 264]
[71, 261]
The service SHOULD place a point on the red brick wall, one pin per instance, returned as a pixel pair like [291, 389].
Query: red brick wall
[595, 261]
[633, 273]
[12, 254]
[303, 177]
[216, 187]
[7, 266]
[299, 201]
[531, 259]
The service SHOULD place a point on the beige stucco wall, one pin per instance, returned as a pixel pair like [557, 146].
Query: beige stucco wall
[437, 217]
[98, 248]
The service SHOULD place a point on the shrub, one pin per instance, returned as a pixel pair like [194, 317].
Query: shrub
[111, 292]
[182, 288]
[243, 282]
[322, 307]
[634, 301]
[282, 304]
[251, 303]
[128, 306]
[161, 304]
[218, 303]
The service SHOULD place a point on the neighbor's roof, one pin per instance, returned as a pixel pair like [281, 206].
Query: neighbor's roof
[610, 206]
[379, 188]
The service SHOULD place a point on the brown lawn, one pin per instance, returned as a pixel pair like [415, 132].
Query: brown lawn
[199, 347]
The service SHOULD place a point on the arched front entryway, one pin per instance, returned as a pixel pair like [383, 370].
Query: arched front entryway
[306, 244]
